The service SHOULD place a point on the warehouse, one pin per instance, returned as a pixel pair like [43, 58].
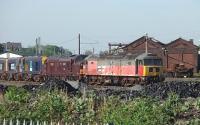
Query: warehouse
[179, 51]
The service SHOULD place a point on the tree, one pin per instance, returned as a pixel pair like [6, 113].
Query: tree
[1, 48]
[88, 52]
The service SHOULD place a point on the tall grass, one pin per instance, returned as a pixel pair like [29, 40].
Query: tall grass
[58, 106]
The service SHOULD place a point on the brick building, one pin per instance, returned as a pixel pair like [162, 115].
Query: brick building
[179, 51]
[139, 46]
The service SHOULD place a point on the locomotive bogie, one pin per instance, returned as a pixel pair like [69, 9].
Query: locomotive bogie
[33, 68]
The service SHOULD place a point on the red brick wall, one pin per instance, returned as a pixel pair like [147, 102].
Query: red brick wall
[178, 50]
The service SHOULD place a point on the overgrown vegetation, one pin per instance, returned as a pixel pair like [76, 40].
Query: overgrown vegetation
[58, 106]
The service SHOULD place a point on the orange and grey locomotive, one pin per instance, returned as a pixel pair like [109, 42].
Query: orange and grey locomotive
[123, 70]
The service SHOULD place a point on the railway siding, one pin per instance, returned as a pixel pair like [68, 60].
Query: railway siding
[184, 88]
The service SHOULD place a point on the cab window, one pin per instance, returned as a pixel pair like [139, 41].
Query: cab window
[140, 62]
[36, 66]
[11, 66]
[157, 62]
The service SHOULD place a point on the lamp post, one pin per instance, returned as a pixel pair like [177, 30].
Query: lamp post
[165, 52]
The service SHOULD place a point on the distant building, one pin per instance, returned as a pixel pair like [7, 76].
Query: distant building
[175, 52]
[1, 48]
[12, 46]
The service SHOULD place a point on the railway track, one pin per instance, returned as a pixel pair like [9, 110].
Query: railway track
[96, 87]
[188, 87]
[182, 79]
[138, 87]
[18, 83]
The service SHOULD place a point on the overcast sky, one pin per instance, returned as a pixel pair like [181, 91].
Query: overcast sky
[99, 21]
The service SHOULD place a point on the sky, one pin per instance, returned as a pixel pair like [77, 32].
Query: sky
[99, 22]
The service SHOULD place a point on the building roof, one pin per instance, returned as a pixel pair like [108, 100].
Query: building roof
[142, 40]
[190, 42]
[9, 55]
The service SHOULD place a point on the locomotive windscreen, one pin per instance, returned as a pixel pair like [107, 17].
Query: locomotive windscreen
[157, 62]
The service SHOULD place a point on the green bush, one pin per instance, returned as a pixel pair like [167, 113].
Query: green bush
[142, 111]
[57, 106]
[16, 95]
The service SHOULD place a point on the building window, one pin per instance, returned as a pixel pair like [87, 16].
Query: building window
[12, 66]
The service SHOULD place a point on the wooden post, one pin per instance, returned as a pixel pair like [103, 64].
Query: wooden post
[38, 123]
[10, 123]
[24, 123]
[31, 122]
[4, 121]
[18, 123]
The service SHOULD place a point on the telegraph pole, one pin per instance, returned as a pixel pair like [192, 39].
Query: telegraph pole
[146, 43]
[36, 47]
[79, 44]
[39, 47]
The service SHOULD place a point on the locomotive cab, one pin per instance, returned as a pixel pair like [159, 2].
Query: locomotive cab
[150, 67]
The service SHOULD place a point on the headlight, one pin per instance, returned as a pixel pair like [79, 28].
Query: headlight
[157, 69]
[150, 69]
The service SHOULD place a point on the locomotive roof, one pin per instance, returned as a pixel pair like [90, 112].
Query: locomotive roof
[53, 58]
[15, 58]
[147, 56]
[32, 57]
[78, 57]
[127, 56]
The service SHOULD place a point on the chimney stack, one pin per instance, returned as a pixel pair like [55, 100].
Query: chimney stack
[191, 41]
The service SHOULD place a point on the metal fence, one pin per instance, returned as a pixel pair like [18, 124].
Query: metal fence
[35, 122]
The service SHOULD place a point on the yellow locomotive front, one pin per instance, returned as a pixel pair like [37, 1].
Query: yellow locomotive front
[152, 67]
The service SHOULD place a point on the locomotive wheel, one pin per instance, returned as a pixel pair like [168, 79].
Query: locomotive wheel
[10, 77]
[3, 76]
[16, 77]
[36, 78]
[42, 79]
[25, 77]
[20, 77]
[127, 83]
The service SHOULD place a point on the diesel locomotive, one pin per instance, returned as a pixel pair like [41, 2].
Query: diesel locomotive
[119, 70]
[123, 70]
